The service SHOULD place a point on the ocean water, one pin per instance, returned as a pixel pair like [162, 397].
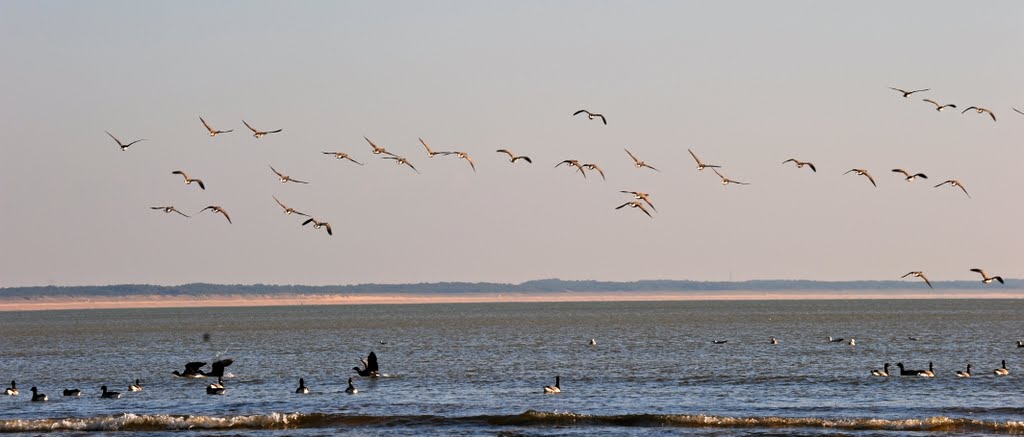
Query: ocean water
[479, 369]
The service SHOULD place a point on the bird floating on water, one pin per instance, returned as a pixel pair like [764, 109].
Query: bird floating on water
[862, 172]
[638, 163]
[217, 209]
[939, 107]
[930, 373]
[135, 387]
[883, 372]
[774, 340]
[908, 93]
[557, 388]
[105, 394]
[285, 178]
[964, 374]
[801, 164]
[259, 133]
[719, 341]
[38, 397]
[980, 110]
[302, 390]
[986, 279]
[593, 342]
[1002, 371]
[188, 180]
[123, 146]
[591, 115]
[214, 132]
[12, 390]
[513, 158]
[908, 176]
[834, 340]
[216, 388]
[72, 392]
[919, 275]
[351, 389]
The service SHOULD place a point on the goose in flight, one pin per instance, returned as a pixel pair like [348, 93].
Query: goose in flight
[908, 93]
[38, 397]
[918, 275]
[574, 163]
[980, 110]
[591, 115]
[464, 155]
[135, 387]
[883, 372]
[123, 146]
[430, 152]
[109, 394]
[285, 178]
[370, 366]
[318, 225]
[801, 164]
[259, 133]
[939, 107]
[217, 209]
[955, 183]
[192, 370]
[638, 163]
[168, 209]
[637, 205]
[12, 390]
[727, 181]
[862, 172]
[962, 374]
[351, 389]
[595, 167]
[214, 132]
[513, 158]
[302, 390]
[287, 209]
[1002, 371]
[986, 279]
[340, 155]
[378, 150]
[553, 389]
[638, 195]
[700, 164]
[400, 161]
[908, 176]
[188, 180]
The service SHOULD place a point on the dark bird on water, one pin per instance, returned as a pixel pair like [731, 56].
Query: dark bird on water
[513, 158]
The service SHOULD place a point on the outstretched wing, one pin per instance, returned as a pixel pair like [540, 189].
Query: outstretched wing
[250, 127]
[371, 363]
[207, 125]
[631, 156]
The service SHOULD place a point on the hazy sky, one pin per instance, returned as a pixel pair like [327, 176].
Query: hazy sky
[745, 84]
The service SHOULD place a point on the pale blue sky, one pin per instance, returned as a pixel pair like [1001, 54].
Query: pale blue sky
[745, 84]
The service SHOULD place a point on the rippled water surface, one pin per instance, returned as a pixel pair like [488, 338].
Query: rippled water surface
[469, 369]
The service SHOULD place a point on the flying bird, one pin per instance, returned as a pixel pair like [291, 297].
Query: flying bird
[288, 210]
[168, 209]
[909, 177]
[400, 161]
[513, 158]
[464, 155]
[918, 275]
[981, 110]
[801, 164]
[595, 167]
[700, 164]
[318, 225]
[908, 93]
[727, 181]
[189, 180]
[591, 115]
[955, 183]
[370, 366]
[217, 209]
[861, 172]
[214, 132]
[638, 163]
[430, 152]
[259, 133]
[939, 107]
[284, 178]
[986, 279]
[123, 146]
[574, 163]
[635, 204]
[340, 155]
[638, 195]
[378, 150]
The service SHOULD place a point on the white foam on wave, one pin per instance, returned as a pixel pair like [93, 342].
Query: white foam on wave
[142, 422]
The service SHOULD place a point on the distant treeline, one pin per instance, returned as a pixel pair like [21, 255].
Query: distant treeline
[539, 286]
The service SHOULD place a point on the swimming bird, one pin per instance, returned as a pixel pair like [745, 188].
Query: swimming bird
[912, 338]
[700, 164]
[1020, 343]
[285, 178]
[340, 155]
[719, 341]
[955, 183]
[38, 397]
[986, 279]
[259, 133]
[302, 390]
[400, 161]
[109, 394]
[907, 372]
[574, 163]
[861, 172]
[834, 340]
[557, 388]
[595, 167]
[192, 370]
[593, 342]
[635, 204]
[351, 388]
[963, 374]
[378, 150]
[883, 372]
[908, 93]
[980, 110]
[513, 158]
[1002, 371]
[370, 366]
[852, 342]
[188, 180]
[919, 275]
[135, 387]
[939, 107]
[214, 132]
[72, 392]
[727, 181]
[217, 209]
[930, 373]
[641, 196]
[464, 155]
[318, 225]
[216, 388]
[909, 177]
[591, 115]
[774, 340]
[168, 209]
[287, 209]
[430, 152]
[123, 146]
[12, 390]
[801, 164]
[638, 163]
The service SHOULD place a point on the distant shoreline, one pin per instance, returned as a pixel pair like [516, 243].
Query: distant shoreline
[288, 299]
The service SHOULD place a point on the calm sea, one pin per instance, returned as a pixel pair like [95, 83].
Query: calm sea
[479, 369]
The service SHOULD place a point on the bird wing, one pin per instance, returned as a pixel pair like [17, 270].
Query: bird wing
[279, 203]
[429, 152]
[406, 162]
[990, 113]
[897, 89]
[372, 363]
[350, 159]
[648, 200]
[250, 127]
[194, 366]
[330, 153]
[179, 212]
[275, 171]
[850, 171]
[651, 167]
[719, 174]
[273, 131]
[471, 164]
[181, 173]
[982, 272]
[595, 167]
[567, 161]
[218, 366]
[207, 125]
[921, 175]
[510, 155]
[115, 139]
[328, 226]
[580, 112]
[968, 109]
[937, 105]
[158, 207]
[631, 156]
[870, 179]
[1017, 111]
[603, 120]
[133, 142]
[811, 166]
[944, 183]
[307, 222]
[900, 170]
[624, 205]
[964, 189]
[222, 211]
[926, 281]
[371, 144]
[641, 206]
[200, 182]
[695, 158]
[908, 274]
[918, 91]
[525, 158]
[793, 160]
